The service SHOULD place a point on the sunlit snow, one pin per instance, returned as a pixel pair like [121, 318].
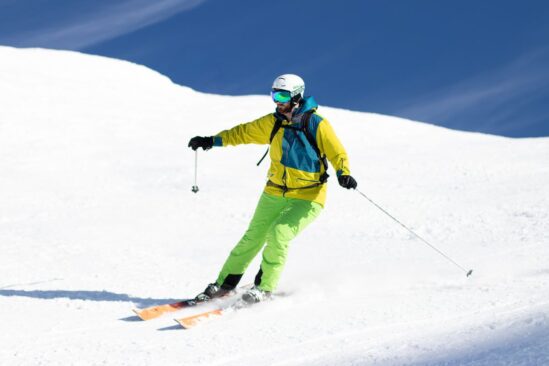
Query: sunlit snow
[97, 217]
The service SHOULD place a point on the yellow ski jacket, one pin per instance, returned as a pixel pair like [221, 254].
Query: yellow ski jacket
[296, 169]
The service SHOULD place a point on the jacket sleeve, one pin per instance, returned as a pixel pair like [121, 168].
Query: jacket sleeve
[254, 132]
[330, 145]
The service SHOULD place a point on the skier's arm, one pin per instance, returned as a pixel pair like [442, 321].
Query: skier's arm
[330, 145]
[255, 132]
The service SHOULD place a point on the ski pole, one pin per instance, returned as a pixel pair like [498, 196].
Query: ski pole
[467, 272]
[195, 186]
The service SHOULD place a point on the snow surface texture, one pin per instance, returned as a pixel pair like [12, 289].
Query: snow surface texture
[97, 216]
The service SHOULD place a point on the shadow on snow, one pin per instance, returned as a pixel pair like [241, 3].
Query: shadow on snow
[86, 296]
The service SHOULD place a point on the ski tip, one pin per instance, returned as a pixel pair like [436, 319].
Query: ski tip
[148, 314]
[185, 324]
[469, 273]
[139, 314]
[191, 321]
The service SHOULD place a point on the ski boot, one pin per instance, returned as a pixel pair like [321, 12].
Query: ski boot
[212, 291]
[255, 295]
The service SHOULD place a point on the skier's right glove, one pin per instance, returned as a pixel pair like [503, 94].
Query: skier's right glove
[205, 143]
[346, 181]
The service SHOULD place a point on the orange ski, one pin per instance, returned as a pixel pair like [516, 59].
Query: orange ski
[159, 310]
[191, 321]
[156, 311]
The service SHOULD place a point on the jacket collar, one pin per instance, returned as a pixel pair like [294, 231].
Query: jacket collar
[308, 104]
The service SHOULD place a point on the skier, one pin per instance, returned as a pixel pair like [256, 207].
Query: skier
[301, 142]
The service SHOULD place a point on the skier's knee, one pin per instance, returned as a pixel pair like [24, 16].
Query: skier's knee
[279, 236]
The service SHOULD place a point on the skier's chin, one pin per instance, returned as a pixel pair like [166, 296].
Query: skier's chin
[284, 108]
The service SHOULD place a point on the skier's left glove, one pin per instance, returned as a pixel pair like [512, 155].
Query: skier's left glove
[346, 181]
[205, 143]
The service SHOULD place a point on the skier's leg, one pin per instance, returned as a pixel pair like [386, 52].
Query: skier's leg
[295, 217]
[268, 209]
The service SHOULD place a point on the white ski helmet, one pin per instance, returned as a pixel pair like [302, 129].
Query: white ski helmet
[292, 83]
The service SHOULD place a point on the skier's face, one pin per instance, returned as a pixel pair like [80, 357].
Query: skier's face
[284, 107]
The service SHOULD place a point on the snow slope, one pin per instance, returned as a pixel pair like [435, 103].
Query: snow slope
[97, 216]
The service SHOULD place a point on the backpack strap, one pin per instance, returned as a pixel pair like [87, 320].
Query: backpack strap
[313, 143]
[276, 127]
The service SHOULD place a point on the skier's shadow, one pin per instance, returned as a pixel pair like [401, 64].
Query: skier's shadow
[139, 302]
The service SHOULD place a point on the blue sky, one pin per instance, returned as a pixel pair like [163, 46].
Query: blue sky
[478, 65]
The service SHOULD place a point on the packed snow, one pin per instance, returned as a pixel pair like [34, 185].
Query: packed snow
[97, 217]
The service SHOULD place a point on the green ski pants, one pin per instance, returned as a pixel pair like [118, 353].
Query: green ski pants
[276, 221]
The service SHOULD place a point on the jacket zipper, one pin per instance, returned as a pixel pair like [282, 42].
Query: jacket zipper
[285, 187]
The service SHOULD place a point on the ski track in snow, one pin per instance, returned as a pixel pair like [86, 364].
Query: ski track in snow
[97, 217]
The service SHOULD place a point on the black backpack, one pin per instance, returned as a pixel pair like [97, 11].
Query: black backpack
[304, 127]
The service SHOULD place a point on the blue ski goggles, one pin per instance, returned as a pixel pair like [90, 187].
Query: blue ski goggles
[281, 96]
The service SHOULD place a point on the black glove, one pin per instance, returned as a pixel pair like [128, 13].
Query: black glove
[205, 143]
[346, 181]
